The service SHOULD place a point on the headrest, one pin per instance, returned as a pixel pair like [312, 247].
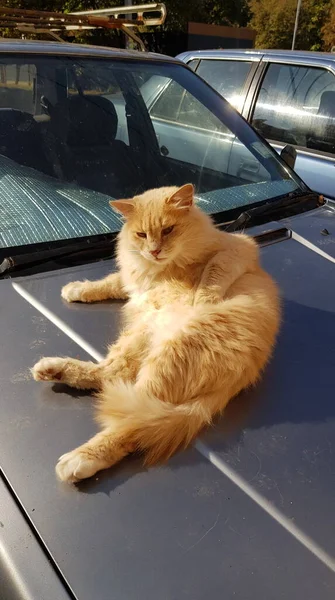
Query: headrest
[85, 120]
[327, 104]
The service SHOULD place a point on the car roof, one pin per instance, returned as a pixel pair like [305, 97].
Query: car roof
[69, 49]
[255, 54]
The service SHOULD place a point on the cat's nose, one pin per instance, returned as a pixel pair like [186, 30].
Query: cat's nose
[155, 252]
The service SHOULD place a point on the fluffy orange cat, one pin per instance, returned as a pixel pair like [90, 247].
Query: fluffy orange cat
[200, 325]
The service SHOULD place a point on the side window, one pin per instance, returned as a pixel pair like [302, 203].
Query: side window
[178, 106]
[193, 64]
[17, 87]
[168, 103]
[227, 77]
[296, 105]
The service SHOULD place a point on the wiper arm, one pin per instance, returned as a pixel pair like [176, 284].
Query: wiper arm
[308, 200]
[32, 259]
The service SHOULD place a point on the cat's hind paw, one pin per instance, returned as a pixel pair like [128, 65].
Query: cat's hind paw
[76, 465]
[48, 369]
[74, 291]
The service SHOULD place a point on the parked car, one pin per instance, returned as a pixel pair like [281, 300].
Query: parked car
[287, 96]
[249, 511]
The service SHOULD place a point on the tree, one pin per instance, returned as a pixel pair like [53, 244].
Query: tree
[54, 5]
[233, 13]
[273, 21]
[328, 30]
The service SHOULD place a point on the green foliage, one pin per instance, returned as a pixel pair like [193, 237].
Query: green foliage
[234, 13]
[328, 30]
[216, 12]
[273, 21]
[54, 5]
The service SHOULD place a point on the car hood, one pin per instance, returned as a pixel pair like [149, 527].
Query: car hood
[248, 512]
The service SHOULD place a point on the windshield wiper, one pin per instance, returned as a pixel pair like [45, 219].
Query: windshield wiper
[299, 201]
[102, 248]
[82, 250]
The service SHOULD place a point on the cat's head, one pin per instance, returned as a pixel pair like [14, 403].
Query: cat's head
[162, 225]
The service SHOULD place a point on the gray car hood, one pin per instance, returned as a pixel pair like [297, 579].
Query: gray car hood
[247, 513]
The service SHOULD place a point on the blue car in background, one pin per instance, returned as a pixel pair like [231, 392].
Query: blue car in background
[287, 96]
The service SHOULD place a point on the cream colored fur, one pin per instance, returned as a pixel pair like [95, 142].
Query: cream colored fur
[200, 325]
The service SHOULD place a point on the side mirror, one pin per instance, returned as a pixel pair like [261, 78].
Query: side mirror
[289, 155]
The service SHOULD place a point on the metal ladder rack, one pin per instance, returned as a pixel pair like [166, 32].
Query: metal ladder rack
[125, 18]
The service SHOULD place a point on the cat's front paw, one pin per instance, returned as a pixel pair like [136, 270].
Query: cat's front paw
[74, 291]
[48, 369]
[76, 465]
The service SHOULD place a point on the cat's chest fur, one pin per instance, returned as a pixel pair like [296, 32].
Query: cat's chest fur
[155, 290]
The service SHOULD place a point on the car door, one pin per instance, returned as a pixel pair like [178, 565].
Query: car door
[232, 77]
[295, 104]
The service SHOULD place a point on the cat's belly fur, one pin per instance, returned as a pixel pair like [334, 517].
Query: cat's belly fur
[166, 313]
[163, 314]
[162, 323]
[159, 297]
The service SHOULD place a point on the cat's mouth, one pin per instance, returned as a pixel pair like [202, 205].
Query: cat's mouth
[155, 259]
[158, 259]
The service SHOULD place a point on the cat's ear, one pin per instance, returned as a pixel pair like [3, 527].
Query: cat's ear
[183, 198]
[124, 207]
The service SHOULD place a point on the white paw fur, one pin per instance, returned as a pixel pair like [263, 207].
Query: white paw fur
[48, 369]
[75, 465]
[72, 292]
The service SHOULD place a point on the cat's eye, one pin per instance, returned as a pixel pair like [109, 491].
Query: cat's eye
[141, 234]
[167, 230]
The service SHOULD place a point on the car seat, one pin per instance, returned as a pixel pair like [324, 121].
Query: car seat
[82, 142]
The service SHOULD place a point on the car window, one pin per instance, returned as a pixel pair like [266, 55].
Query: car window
[192, 64]
[296, 105]
[177, 105]
[58, 173]
[17, 84]
[227, 77]
[189, 133]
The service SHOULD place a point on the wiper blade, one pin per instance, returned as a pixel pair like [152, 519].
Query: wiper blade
[82, 249]
[295, 199]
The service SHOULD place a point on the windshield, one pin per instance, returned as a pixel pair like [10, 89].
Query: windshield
[75, 133]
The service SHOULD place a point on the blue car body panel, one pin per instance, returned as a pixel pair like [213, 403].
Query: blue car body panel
[317, 169]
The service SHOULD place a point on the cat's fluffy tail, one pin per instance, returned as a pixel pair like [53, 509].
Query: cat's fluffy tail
[156, 428]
